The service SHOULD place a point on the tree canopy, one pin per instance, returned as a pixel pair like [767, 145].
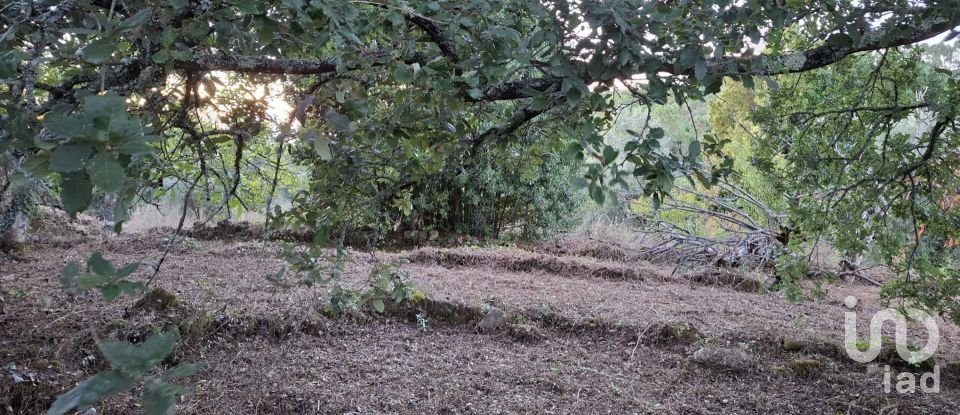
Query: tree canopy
[91, 86]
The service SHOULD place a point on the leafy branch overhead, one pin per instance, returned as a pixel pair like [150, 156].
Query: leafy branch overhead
[448, 59]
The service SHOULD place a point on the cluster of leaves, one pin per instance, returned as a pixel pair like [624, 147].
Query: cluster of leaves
[130, 362]
[865, 152]
[102, 275]
[520, 190]
[388, 282]
[100, 147]
[523, 194]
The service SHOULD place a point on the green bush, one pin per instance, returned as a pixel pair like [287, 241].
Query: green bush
[522, 195]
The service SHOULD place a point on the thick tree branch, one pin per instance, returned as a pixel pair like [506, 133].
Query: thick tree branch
[257, 64]
[435, 32]
[828, 54]
[519, 118]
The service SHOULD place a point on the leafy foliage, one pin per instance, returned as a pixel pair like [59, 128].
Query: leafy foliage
[130, 362]
[101, 274]
[388, 283]
[879, 173]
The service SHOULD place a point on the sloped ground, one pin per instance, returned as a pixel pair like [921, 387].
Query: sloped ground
[610, 334]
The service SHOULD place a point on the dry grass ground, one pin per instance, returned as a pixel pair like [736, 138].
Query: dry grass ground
[613, 335]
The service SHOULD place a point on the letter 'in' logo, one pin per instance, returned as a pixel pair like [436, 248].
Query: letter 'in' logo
[876, 324]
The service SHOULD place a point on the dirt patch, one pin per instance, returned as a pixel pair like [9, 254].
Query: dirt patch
[574, 341]
[518, 261]
[586, 247]
[156, 300]
[26, 397]
[671, 332]
[226, 230]
[53, 227]
[740, 280]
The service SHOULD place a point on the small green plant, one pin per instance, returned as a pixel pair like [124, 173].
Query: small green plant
[791, 270]
[818, 292]
[312, 266]
[388, 282]
[546, 310]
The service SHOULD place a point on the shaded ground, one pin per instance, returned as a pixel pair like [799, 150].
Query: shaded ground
[614, 335]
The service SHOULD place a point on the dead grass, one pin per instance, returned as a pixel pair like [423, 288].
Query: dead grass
[585, 335]
[519, 261]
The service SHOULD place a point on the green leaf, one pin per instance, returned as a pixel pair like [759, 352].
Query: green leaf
[110, 292]
[321, 144]
[161, 57]
[596, 67]
[106, 173]
[92, 390]
[98, 264]
[182, 370]
[665, 183]
[700, 70]
[127, 270]
[69, 273]
[135, 146]
[70, 157]
[99, 51]
[121, 213]
[337, 120]
[137, 20]
[77, 192]
[88, 280]
[132, 288]
[693, 150]
[378, 305]
[402, 74]
[110, 105]
[712, 85]
[159, 398]
[69, 127]
[689, 56]
[596, 193]
[609, 155]
[136, 359]
[655, 133]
